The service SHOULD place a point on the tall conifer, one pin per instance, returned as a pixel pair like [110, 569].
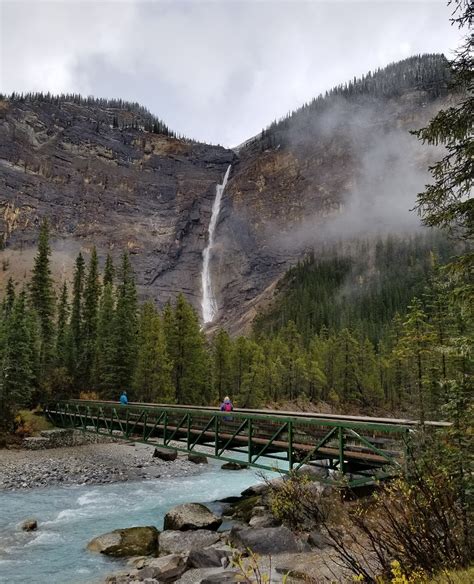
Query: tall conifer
[75, 336]
[42, 299]
[125, 326]
[17, 372]
[152, 378]
[90, 319]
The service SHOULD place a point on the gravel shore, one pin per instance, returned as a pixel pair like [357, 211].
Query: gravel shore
[88, 464]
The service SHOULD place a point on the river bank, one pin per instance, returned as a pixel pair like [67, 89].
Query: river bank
[90, 464]
[70, 512]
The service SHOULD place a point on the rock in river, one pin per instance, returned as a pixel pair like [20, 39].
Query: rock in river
[133, 541]
[30, 525]
[197, 458]
[165, 454]
[191, 516]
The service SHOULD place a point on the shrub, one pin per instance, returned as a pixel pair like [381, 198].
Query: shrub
[298, 503]
[416, 521]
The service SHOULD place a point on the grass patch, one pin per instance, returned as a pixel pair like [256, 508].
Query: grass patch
[34, 421]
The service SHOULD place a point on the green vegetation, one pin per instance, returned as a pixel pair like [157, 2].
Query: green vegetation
[429, 74]
[341, 332]
[32, 422]
[361, 285]
[96, 341]
[120, 114]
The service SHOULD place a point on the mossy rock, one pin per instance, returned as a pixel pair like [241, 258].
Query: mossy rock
[122, 543]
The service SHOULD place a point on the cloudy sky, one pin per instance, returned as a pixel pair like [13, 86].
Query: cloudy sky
[216, 70]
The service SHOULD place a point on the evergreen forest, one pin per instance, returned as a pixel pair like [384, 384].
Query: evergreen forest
[391, 344]
[426, 76]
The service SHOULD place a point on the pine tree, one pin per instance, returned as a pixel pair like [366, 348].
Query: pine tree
[125, 327]
[90, 319]
[152, 379]
[109, 271]
[9, 299]
[252, 391]
[448, 202]
[315, 366]
[17, 373]
[187, 350]
[241, 364]
[222, 364]
[415, 348]
[62, 328]
[104, 363]
[42, 299]
[75, 334]
[347, 382]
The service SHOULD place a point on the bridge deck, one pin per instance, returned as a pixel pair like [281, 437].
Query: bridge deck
[362, 449]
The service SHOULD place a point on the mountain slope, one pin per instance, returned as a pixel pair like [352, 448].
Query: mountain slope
[109, 174]
[101, 179]
[344, 167]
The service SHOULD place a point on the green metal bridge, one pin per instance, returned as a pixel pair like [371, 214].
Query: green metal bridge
[360, 449]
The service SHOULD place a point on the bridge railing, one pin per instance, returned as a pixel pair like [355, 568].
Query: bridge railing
[360, 450]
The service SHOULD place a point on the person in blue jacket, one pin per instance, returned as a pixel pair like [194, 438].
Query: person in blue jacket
[124, 398]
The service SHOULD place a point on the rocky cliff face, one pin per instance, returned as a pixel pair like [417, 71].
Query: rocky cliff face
[98, 185]
[352, 172]
[344, 169]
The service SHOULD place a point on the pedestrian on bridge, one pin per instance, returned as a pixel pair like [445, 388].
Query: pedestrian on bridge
[227, 406]
[124, 398]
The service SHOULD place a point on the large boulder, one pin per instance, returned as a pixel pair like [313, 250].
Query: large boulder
[210, 557]
[121, 543]
[164, 569]
[178, 542]
[165, 454]
[267, 541]
[191, 516]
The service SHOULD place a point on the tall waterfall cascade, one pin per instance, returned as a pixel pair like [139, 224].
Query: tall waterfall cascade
[209, 302]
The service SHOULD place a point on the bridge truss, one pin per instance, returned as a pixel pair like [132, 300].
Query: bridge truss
[361, 450]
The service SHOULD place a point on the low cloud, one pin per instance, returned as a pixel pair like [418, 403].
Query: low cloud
[216, 71]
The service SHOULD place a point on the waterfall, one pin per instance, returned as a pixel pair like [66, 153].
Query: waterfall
[209, 303]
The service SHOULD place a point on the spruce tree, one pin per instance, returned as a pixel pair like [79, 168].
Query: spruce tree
[17, 373]
[187, 349]
[448, 202]
[109, 271]
[125, 327]
[9, 299]
[415, 347]
[75, 334]
[42, 300]
[241, 364]
[104, 363]
[252, 391]
[222, 362]
[62, 328]
[90, 320]
[152, 378]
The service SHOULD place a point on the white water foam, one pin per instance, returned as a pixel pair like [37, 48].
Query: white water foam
[45, 538]
[209, 302]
